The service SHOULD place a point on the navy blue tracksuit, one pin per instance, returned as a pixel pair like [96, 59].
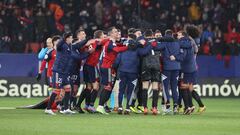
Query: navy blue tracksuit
[170, 68]
[188, 68]
[75, 63]
[61, 71]
[128, 66]
[65, 62]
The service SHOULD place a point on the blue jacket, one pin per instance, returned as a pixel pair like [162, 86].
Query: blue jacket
[188, 59]
[129, 61]
[169, 46]
[63, 60]
[205, 35]
[75, 61]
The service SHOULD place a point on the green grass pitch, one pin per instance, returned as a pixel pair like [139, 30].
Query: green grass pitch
[221, 118]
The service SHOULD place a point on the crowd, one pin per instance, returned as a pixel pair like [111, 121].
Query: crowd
[25, 24]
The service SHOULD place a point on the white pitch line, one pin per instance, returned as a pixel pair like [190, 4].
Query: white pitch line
[7, 108]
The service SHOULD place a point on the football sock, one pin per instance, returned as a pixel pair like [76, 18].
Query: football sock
[190, 98]
[93, 97]
[139, 97]
[88, 97]
[82, 97]
[185, 98]
[66, 100]
[180, 97]
[145, 97]
[51, 100]
[104, 97]
[155, 98]
[197, 98]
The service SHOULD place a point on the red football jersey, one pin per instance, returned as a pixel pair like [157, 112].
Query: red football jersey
[93, 58]
[110, 51]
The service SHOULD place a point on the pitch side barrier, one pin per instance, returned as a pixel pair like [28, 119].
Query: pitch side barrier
[18, 72]
[28, 87]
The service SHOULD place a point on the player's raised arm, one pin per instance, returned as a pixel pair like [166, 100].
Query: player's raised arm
[144, 51]
[158, 46]
[80, 44]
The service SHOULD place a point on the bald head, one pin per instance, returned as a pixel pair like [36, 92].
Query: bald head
[49, 43]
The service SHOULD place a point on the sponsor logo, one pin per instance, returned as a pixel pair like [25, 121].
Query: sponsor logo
[28, 90]
[224, 89]
[26, 87]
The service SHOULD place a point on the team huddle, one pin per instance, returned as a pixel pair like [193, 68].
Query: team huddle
[140, 61]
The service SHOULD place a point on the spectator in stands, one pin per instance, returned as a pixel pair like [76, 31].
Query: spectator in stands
[207, 35]
[99, 12]
[27, 23]
[18, 45]
[232, 35]
[5, 44]
[38, 19]
[173, 15]
[3, 29]
[206, 48]
[206, 16]
[234, 47]
[218, 42]
[52, 28]
[41, 25]
[217, 14]
[194, 12]
[182, 9]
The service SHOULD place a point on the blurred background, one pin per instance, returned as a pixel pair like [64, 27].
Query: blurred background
[25, 25]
